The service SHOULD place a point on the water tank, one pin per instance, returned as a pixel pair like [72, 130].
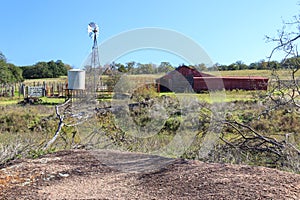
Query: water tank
[76, 79]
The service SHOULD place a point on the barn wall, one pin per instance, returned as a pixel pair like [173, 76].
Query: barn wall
[187, 79]
[229, 83]
[175, 82]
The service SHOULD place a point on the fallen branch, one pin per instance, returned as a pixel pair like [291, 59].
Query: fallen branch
[60, 124]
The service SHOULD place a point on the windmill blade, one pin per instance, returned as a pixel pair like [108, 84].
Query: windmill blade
[92, 25]
[90, 29]
[93, 29]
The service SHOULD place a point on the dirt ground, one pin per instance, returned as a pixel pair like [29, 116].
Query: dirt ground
[82, 174]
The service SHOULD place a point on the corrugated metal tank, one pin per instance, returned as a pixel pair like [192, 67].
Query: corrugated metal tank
[76, 79]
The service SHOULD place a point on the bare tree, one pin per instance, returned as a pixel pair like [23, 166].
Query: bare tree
[243, 139]
[286, 91]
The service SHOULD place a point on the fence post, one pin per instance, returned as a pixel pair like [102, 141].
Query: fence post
[12, 91]
[44, 88]
[7, 90]
[52, 90]
[24, 90]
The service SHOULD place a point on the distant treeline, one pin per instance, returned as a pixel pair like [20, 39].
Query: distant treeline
[164, 67]
[49, 69]
[261, 65]
[9, 73]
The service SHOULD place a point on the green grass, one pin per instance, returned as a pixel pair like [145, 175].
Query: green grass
[4, 101]
[9, 100]
[52, 100]
[219, 96]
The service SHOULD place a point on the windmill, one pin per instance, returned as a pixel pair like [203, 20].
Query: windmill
[93, 32]
[74, 113]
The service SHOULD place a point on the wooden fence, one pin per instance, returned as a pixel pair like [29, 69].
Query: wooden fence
[50, 89]
[9, 90]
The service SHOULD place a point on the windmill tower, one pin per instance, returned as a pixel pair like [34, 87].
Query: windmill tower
[93, 32]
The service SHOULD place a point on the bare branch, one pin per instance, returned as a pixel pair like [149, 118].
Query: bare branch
[60, 125]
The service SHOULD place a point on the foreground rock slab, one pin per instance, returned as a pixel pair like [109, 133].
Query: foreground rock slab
[107, 174]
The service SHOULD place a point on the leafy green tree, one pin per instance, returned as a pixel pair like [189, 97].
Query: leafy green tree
[222, 67]
[253, 66]
[233, 66]
[119, 66]
[2, 57]
[165, 67]
[146, 68]
[122, 69]
[241, 65]
[262, 65]
[16, 73]
[5, 74]
[130, 66]
[49, 69]
[201, 67]
[291, 63]
[9, 73]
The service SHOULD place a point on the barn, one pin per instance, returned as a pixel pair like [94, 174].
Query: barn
[188, 79]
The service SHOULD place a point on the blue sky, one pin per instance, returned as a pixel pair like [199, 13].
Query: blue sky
[232, 30]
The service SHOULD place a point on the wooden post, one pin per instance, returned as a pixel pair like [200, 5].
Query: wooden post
[16, 87]
[44, 89]
[12, 91]
[59, 89]
[19, 90]
[7, 90]
[52, 90]
[24, 90]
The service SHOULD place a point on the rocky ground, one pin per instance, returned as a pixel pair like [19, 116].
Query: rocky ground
[82, 174]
